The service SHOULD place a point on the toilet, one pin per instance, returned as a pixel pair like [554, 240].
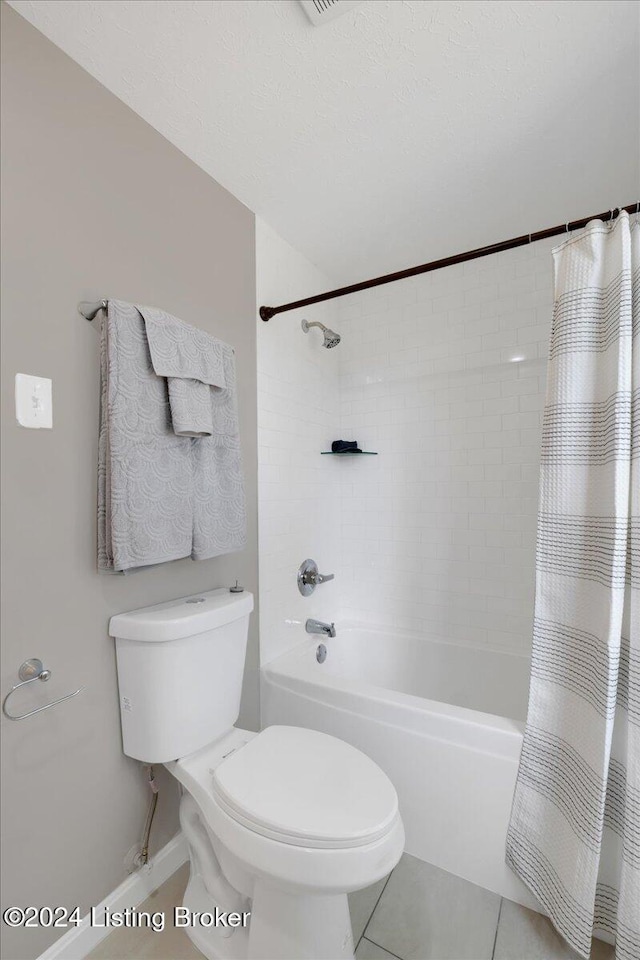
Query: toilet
[281, 825]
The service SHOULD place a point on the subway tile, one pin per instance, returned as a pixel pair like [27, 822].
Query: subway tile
[501, 405]
[457, 426]
[534, 333]
[528, 386]
[483, 391]
[520, 421]
[534, 402]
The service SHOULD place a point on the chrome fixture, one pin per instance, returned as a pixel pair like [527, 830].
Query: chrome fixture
[321, 653]
[31, 670]
[89, 309]
[331, 338]
[317, 626]
[309, 578]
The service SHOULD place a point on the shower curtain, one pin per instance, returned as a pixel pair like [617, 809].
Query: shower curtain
[574, 835]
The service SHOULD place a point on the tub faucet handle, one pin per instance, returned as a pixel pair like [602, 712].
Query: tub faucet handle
[309, 578]
[322, 577]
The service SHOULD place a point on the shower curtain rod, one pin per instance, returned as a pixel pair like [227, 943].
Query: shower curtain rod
[267, 312]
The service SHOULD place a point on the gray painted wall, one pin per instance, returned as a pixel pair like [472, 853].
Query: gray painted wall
[94, 203]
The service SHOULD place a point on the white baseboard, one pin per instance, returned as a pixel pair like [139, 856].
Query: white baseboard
[79, 941]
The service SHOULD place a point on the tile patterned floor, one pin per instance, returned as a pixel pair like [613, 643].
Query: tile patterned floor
[418, 913]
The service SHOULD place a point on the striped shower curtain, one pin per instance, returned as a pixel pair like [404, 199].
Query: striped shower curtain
[574, 835]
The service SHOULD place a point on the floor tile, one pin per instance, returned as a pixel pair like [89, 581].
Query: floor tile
[526, 935]
[601, 950]
[174, 944]
[428, 914]
[143, 944]
[361, 906]
[371, 951]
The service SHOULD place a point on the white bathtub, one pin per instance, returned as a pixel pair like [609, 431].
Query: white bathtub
[444, 721]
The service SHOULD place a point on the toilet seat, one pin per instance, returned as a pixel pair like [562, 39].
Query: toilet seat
[305, 788]
[302, 858]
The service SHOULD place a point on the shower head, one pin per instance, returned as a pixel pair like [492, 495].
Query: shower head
[331, 338]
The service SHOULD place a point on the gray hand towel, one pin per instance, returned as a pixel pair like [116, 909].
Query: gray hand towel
[193, 364]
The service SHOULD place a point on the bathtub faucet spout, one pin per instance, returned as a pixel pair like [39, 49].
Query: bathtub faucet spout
[317, 626]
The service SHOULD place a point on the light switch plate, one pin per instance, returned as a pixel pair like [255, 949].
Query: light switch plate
[34, 402]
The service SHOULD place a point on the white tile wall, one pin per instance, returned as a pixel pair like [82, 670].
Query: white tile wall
[298, 416]
[444, 375]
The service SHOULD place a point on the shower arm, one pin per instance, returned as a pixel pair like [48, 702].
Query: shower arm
[307, 324]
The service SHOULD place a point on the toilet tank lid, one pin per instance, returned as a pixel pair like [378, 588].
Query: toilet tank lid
[184, 617]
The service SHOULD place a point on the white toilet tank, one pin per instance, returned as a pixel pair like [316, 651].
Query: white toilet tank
[180, 668]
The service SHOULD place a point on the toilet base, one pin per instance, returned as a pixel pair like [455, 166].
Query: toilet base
[282, 926]
[216, 943]
[287, 926]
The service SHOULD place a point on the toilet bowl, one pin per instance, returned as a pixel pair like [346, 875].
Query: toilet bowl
[281, 825]
[296, 819]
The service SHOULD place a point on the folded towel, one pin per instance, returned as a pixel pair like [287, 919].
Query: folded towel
[193, 363]
[345, 446]
[162, 496]
[190, 403]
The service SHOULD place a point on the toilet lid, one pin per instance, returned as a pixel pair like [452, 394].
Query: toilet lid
[303, 787]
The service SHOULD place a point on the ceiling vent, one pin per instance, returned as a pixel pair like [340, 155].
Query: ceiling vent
[321, 11]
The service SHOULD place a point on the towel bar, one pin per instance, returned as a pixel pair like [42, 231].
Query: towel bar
[31, 670]
[89, 309]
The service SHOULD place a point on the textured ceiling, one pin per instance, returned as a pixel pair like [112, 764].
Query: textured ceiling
[403, 131]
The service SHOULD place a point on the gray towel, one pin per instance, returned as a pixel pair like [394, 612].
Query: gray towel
[218, 492]
[162, 496]
[193, 364]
